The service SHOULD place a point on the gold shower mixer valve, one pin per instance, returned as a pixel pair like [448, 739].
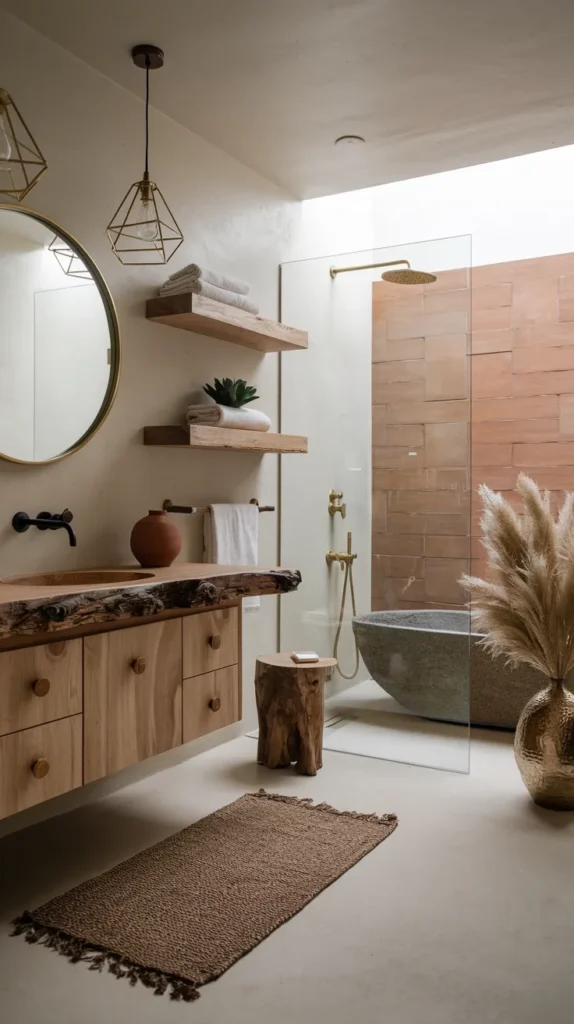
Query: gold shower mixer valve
[341, 557]
[344, 558]
[336, 504]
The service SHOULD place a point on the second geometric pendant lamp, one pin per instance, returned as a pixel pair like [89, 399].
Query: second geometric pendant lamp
[68, 259]
[21, 160]
[143, 229]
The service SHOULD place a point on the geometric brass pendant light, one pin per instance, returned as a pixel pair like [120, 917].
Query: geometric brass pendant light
[143, 229]
[21, 160]
[68, 259]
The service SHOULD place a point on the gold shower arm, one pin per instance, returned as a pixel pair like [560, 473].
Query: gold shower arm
[367, 266]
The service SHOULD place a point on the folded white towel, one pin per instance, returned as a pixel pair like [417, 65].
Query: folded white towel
[231, 536]
[194, 271]
[210, 291]
[227, 416]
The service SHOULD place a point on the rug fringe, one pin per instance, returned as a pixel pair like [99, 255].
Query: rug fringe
[307, 802]
[76, 950]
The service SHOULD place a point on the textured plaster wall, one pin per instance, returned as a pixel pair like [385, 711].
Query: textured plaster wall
[91, 132]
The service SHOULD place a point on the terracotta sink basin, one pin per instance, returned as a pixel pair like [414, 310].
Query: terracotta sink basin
[81, 577]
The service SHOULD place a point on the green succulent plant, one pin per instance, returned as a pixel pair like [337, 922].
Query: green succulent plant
[231, 392]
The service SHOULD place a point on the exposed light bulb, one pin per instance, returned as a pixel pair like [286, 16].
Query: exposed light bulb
[5, 147]
[147, 226]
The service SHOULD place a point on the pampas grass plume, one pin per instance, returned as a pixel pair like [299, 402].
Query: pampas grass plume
[526, 609]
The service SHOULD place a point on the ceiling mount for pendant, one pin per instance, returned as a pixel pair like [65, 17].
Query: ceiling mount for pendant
[146, 52]
[143, 229]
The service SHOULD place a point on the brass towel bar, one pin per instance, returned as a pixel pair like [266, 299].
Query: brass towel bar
[203, 510]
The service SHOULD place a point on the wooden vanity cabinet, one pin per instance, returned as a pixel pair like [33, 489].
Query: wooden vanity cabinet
[210, 702]
[210, 641]
[211, 687]
[76, 710]
[40, 684]
[132, 696]
[39, 763]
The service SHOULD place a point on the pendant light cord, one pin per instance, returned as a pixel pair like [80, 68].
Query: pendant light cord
[147, 63]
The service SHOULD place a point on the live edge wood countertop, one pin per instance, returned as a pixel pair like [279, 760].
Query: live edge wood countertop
[34, 614]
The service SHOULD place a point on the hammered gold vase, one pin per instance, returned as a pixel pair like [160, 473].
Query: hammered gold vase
[544, 747]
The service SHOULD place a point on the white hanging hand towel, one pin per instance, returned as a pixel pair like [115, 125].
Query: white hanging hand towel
[194, 272]
[231, 536]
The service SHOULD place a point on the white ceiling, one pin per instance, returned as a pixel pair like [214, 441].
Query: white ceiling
[431, 84]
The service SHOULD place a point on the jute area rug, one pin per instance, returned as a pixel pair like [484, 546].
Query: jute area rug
[180, 913]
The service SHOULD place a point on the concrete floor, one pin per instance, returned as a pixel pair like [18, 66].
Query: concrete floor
[465, 915]
[365, 720]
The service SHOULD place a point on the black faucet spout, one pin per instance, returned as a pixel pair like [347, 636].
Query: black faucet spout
[46, 521]
[69, 530]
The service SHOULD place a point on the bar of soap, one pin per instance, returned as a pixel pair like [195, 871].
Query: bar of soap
[304, 657]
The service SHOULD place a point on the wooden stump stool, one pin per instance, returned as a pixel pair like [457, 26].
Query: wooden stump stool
[290, 707]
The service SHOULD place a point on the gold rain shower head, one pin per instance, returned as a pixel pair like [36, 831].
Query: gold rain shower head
[408, 276]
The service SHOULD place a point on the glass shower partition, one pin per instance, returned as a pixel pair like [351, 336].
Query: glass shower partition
[383, 394]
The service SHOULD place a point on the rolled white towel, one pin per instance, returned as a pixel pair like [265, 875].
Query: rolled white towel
[194, 271]
[227, 416]
[210, 291]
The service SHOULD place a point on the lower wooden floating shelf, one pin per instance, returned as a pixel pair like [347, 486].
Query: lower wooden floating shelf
[224, 439]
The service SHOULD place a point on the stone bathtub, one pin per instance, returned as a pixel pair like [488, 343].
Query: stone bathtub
[421, 658]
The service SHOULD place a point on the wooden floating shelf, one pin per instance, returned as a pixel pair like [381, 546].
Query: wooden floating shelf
[224, 439]
[195, 313]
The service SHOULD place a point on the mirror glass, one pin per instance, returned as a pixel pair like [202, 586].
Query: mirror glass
[59, 342]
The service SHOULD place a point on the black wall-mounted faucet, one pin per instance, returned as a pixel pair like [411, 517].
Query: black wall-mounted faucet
[46, 521]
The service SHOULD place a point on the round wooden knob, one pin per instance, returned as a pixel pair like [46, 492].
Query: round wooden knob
[41, 687]
[40, 768]
[215, 642]
[215, 703]
[139, 666]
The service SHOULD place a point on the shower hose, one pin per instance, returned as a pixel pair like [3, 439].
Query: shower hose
[347, 583]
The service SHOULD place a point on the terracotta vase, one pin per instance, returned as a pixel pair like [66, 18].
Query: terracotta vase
[155, 540]
[544, 747]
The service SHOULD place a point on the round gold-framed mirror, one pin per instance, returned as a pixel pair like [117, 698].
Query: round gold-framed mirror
[60, 350]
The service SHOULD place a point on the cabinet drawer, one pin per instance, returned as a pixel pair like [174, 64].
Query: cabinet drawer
[37, 764]
[40, 684]
[132, 696]
[210, 641]
[210, 701]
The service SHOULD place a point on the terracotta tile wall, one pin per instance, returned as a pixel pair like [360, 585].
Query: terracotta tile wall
[421, 411]
[523, 380]
[522, 410]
